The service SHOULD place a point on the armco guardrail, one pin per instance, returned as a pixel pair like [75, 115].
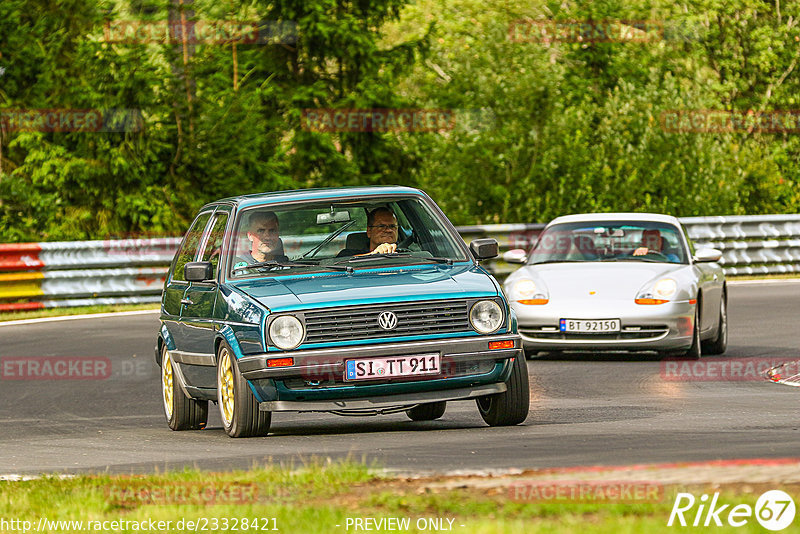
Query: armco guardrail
[79, 273]
[82, 273]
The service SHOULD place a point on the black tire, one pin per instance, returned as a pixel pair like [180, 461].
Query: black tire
[719, 344]
[510, 407]
[238, 408]
[427, 412]
[695, 351]
[182, 412]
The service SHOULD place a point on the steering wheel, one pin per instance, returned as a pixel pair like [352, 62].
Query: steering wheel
[654, 253]
[403, 244]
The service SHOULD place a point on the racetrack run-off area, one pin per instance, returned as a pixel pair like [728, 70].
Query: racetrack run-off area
[586, 409]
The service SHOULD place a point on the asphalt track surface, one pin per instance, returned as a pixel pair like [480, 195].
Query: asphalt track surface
[585, 409]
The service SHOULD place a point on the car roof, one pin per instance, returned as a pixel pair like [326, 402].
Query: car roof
[275, 197]
[621, 216]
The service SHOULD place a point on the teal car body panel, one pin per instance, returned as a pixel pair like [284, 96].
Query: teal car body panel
[237, 311]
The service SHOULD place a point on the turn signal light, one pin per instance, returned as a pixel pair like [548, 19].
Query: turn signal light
[280, 362]
[534, 301]
[507, 344]
[651, 301]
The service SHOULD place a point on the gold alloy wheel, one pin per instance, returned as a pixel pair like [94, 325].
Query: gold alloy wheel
[166, 384]
[226, 391]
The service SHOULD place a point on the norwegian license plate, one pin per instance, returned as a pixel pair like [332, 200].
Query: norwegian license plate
[375, 368]
[589, 326]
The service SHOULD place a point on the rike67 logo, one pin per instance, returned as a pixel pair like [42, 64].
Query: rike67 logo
[774, 510]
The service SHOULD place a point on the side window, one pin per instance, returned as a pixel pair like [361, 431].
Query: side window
[189, 246]
[213, 248]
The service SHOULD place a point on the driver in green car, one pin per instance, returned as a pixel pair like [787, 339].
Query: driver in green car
[382, 234]
[263, 232]
[653, 242]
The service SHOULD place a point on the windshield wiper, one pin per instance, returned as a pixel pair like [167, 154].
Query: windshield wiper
[370, 257]
[290, 263]
[333, 235]
[559, 261]
[634, 258]
[448, 261]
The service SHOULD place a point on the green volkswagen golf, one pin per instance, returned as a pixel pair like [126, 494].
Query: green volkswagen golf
[353, 301]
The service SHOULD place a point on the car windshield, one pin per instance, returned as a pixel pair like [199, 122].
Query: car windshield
[341, 235]
[609, 241]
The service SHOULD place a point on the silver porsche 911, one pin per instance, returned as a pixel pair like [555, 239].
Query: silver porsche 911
[619, 282]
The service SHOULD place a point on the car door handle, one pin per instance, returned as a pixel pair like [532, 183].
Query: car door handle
[187, 301]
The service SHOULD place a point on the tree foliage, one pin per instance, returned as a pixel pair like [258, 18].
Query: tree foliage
[542, 128]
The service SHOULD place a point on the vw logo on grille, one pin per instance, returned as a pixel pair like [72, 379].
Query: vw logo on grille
[387, 320]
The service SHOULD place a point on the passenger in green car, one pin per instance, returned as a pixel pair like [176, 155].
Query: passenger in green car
[263, 232]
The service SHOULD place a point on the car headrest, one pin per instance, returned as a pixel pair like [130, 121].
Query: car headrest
[357, 241]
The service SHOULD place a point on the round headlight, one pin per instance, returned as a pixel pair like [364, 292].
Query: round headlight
[286, 332]
[665, 287]
[486, 316]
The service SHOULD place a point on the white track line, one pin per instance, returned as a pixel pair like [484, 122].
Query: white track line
[72, 317]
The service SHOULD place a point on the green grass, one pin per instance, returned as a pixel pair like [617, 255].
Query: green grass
[82, 310]
[317, 496]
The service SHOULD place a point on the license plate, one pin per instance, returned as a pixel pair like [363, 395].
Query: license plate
[375, 368]
[589, 326]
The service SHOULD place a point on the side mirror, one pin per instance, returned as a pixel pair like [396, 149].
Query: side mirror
[484, 249]
[516, 255]
[707, 255]
[198, 271]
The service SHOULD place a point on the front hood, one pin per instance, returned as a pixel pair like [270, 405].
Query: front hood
[405, 283]
[608, 281]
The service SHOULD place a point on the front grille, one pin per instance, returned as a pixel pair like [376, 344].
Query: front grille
[361, 322]
[628, 332]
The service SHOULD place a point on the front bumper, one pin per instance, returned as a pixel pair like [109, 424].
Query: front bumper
[384, 404]
[316, 380]
[644, 327]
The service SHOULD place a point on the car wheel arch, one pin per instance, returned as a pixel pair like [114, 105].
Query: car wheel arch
[159, 349]
[699, 309]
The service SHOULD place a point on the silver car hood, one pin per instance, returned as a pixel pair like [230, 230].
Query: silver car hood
[608, 280]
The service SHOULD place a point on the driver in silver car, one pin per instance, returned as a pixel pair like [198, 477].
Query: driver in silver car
[653, 242]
